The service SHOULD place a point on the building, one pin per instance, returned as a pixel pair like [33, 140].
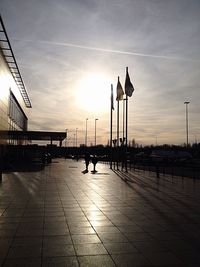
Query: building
[14, 107]
[14, 100]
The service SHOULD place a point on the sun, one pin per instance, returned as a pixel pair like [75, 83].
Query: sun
[94, 93]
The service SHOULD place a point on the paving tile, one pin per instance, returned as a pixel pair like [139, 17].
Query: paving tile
[58, 250]
[70, 219]
[106, 229]
[120, 248]
[175, 236]
[9, 226]
[29, 232]
[32, 219]
[55, 219]
[59, 239]
[70, 261]
[22, 263]
[139, 236]
[24, 252]
[150, 246]
[179, 245]
[79, 224]
[96, 261]
[101, 223]
[27, 241]
[112, 237]
[82, 239]
[130, 228]
[7, 232]
[56, 231]
[55, 224]
[188, 257]
[90, 249]
[131, 260]
[5, 242]
[81, 230]
[163, 258]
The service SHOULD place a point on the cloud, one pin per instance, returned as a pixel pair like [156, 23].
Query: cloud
[111, 50]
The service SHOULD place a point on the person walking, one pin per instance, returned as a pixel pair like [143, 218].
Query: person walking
[87, 161]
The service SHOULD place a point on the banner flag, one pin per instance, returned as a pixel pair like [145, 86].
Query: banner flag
[120, 91]
[128, 85]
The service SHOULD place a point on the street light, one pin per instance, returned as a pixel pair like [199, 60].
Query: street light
[95, 131]
[186, 118]
[86, 132]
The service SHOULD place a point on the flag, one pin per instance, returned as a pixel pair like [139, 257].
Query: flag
[120, 91]
[112, 102]
[128, 85]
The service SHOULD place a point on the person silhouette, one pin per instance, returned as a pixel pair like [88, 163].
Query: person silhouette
[94, 161]
[87, 161]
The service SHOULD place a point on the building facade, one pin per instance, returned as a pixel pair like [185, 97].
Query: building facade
[14, 101]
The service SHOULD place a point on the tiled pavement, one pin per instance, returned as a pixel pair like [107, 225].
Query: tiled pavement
[62, 217]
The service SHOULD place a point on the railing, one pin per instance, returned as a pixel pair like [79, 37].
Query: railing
[183, 169]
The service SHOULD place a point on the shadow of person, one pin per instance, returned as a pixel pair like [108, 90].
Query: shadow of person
[85, 171]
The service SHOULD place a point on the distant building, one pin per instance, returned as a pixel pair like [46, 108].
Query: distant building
[14, 100]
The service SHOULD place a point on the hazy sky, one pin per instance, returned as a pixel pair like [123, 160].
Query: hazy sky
[70, 51]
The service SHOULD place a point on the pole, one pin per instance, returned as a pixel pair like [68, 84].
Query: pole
[86, 133]
[186, 118]
[117, 123]
[111, 123]
[126, 126]
[123, 119]
[74, 141]
[95, 130]
[117, 134]
[76, 136]
[126, 133]
[66, 138]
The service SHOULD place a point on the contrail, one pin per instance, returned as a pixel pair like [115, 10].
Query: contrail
[108, 50]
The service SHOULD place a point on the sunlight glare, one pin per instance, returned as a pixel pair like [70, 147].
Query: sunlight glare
[94, 93]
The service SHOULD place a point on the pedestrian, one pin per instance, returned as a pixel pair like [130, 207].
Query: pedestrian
[87, 161]
[94, 161]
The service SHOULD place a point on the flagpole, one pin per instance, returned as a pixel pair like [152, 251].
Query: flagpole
[126, 126]
[117, 132]
[111, 124]
[126, 129]
[123, 120]
[119, 97]
[128, 91]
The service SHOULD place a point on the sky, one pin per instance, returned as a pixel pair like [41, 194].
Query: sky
[69, 53]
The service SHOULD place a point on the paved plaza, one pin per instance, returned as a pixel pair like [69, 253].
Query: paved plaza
[60, 216]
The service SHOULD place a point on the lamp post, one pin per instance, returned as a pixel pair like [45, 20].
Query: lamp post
[86, 132]
[95, 131]
[186, 118]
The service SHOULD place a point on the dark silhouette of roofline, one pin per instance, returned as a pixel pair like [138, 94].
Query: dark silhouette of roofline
[34, 135]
